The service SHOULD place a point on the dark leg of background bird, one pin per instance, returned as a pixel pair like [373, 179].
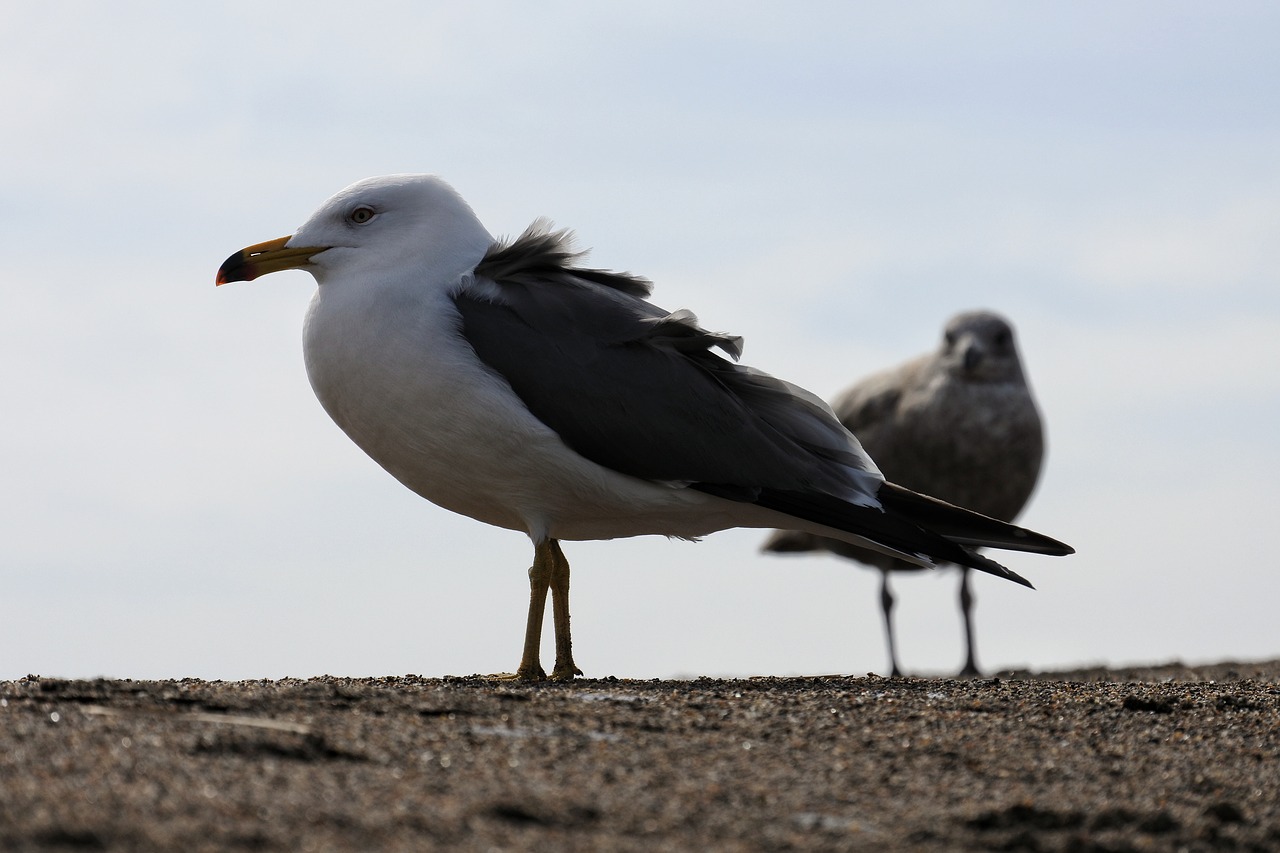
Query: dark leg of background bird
[564, 669]
[966, 608]
[886, 605]
[544, 559]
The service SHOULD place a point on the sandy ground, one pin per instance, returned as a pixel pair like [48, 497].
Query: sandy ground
[1168, 758]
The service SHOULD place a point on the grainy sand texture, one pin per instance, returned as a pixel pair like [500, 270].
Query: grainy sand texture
[1167, 758]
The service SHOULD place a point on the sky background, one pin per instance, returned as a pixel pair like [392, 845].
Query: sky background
[830, 180]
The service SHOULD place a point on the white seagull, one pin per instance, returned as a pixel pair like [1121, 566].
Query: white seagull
[505, 382]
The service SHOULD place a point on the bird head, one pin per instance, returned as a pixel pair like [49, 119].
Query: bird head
[979, 346]
[378, 229]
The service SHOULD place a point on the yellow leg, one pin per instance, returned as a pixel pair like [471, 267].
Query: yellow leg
[564, 669]
[540, 573]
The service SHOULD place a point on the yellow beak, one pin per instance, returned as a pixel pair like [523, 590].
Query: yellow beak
[262, 258]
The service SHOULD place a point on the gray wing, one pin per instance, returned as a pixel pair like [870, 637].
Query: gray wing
[641, 392]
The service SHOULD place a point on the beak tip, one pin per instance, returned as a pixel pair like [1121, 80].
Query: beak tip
[227, 274]
[259, 259]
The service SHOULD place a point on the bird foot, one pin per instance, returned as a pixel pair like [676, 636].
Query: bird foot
[524, 673]
[565, 673]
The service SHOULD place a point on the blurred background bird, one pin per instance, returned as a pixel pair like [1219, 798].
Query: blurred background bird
[959, 424]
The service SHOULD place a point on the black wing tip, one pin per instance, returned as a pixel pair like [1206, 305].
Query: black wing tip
[966, 526]
[986, 564]
[1040, 544]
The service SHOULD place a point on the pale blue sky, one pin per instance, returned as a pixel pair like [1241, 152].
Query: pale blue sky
[829, 180]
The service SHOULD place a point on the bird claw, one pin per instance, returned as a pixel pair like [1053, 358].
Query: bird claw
[565, 673]
[524, 673]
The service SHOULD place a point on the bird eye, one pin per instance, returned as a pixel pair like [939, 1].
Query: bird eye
[360, 215]
[1003, 338]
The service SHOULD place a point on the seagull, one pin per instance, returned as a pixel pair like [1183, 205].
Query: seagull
[960, 424]
[505, 381]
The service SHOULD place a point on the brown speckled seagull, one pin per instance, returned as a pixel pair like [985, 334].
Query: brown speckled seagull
[959, 424]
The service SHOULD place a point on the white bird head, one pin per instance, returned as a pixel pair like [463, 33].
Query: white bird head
[375, 229]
